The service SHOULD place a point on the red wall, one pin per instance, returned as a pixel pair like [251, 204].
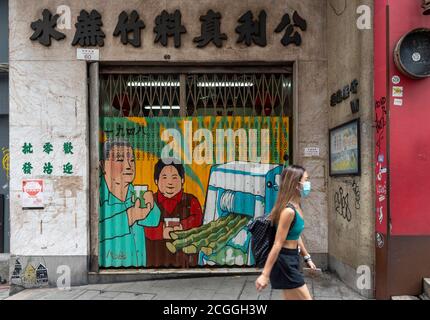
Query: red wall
[402, 138]
[409, 133]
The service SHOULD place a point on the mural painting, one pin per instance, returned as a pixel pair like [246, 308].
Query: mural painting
[179, 192]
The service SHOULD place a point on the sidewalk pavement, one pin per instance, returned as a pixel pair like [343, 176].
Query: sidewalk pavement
[322, 287]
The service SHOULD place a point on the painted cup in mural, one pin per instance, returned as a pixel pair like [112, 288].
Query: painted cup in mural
[172, 222]
[138, 193]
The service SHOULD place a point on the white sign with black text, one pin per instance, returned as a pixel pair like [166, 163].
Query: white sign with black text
[88, 54]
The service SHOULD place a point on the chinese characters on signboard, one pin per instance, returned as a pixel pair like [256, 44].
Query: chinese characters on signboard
[89, 31]
[48, 168]
[344, 94]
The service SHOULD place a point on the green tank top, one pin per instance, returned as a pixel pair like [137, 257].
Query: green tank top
[297, 225]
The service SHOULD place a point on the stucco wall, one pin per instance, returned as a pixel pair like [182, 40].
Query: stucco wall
[49, 104]
[350, 56]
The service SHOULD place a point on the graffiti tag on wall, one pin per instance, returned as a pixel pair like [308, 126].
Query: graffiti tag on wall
[5, 161]
[381, 170]
[341, 203]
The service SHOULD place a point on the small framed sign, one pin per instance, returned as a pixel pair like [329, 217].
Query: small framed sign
[33, 194]
[88, 54]
[344, 149]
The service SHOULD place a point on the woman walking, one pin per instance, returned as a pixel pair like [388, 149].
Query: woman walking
[282, 265]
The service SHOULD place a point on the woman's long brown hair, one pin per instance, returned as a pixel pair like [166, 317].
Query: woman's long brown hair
[288, 191]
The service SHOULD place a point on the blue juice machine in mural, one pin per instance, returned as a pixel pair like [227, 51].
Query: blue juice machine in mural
[238, 191]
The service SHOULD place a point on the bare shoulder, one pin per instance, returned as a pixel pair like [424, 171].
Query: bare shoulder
[287, 214]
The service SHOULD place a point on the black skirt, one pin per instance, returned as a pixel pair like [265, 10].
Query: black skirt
[286, 270]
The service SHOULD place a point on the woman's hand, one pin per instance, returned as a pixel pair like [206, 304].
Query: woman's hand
[311, 265]
[261, 282]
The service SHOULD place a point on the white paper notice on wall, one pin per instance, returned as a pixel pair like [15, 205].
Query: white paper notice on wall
[398, 102]
[33, 194]
[88, 54]
[312, 152]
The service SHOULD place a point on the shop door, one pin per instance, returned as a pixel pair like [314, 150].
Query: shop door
[187, 160]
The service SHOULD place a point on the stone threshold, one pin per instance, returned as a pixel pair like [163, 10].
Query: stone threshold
[124, 275]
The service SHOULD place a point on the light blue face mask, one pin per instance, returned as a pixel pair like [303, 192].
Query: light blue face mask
[306, 189]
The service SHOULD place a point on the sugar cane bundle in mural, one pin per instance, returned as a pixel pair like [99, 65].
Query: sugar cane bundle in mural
[210, 226]
[188, 237]
[209, 237]
[222, 241]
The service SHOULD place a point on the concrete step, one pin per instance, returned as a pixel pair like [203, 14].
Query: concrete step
[427, 286]
[115, 276]
[424, 297]
[404, 298]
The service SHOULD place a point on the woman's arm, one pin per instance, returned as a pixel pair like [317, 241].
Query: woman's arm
[303, 250]
[305, 253]
[286, 218]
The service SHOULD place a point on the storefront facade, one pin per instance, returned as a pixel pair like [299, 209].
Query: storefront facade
[254, 72]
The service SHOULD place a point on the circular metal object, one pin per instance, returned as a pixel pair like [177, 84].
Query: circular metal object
[412, 54]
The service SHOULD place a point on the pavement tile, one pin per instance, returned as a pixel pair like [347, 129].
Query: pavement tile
[326, 292]
[61, 295]
[172, 293]
[353, 298]
[326, 298]
[133, 296]
[249, 292]
[277, 295]
[224, 296]
[125, 296]
[233, 287]
[200, 294]
[167, 283]
[326, 289]
[132, 287]
[202, 283]
[100, 287]
[144, 296]
[4, 293]
[109, 294]
[249, 296]
[349, 294]
[31, 294]
[88, 295]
